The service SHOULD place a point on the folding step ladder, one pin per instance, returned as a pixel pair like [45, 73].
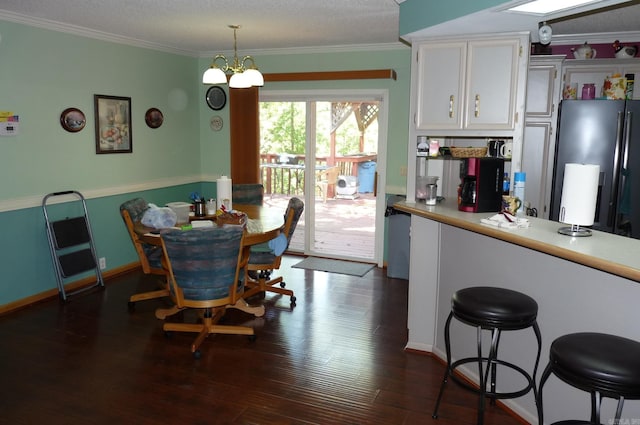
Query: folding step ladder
[70, 240]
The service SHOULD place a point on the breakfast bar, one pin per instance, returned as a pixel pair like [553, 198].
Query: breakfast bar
[580, 284]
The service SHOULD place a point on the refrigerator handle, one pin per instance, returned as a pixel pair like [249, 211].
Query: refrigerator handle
[627, 140]
[611, 218]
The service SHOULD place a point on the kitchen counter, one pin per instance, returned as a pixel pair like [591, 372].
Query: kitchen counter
[580, 284]
[603, 251]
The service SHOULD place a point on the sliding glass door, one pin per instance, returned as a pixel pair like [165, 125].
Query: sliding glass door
[327, 148]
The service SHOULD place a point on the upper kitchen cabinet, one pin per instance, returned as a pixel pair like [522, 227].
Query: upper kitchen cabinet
[440, 86]
[469, 87]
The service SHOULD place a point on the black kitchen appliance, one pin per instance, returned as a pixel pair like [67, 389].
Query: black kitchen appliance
[605, 133]
[481, 184]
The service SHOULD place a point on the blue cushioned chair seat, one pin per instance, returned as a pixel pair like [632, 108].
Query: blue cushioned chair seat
[261, 257]
[204, 260]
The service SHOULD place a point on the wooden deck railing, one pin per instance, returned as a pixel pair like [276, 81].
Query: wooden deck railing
[284, 173]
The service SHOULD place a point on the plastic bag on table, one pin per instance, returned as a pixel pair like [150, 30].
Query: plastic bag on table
[159, 218]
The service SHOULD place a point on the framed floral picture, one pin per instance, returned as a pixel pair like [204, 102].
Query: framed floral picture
[113, 124]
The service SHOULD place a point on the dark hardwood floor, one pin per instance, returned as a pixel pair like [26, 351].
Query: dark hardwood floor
[336, 358]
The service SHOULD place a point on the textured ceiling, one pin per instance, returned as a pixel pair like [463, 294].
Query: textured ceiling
[625, 17]
[200, 27]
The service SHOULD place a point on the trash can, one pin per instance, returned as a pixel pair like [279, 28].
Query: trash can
[366, 176]
[398, 245]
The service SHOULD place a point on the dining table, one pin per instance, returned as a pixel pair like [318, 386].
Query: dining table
[263, 224]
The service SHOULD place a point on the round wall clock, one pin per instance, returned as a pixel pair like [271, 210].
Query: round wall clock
[216, 98]
[72, 120]
[216, 123]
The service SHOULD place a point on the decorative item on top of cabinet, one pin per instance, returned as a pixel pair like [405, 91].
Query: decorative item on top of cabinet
[595, 71]
[467, 85]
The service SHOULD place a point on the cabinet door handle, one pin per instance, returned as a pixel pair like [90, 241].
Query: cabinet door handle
[477, 106]
[451, 106]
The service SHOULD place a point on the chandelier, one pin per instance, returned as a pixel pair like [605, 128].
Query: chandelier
[242, 76]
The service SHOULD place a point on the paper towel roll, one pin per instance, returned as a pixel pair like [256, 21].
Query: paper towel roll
[224, 193]
[579, 194]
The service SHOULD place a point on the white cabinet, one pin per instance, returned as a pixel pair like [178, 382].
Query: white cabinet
[464, 91]
[440, 85]
[467, 85]
[538, 147]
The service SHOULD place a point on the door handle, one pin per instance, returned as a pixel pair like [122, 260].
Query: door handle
[620, 144]
[477, 106]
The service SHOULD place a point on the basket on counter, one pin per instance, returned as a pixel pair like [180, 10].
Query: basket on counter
[233, 218]
[468, 152]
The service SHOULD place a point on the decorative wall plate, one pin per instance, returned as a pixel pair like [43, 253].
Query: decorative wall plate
[72, 120]
[154, 118]
[216, 98]
[216, 123]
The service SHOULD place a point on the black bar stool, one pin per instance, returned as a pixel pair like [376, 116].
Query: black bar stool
[603, 365]
[497, 310]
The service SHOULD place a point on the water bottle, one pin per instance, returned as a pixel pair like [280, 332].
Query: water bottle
[505, 184]
[518, 189]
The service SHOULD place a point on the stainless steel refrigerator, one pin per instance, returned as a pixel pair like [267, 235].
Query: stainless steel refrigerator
[607, 133]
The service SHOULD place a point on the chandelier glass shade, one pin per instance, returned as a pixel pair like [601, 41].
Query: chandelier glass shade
[244, 73]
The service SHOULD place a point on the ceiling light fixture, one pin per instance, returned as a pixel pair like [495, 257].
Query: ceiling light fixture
[242, 76]
[544, 33]
[543, 7]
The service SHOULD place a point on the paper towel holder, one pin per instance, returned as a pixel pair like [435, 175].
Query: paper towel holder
[579, 199]
[574, 231]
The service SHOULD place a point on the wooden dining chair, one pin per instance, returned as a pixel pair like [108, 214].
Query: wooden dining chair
[263, 260]
[206, 272]
[149, 250]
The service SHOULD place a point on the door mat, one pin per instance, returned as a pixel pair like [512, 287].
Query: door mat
[334, 266]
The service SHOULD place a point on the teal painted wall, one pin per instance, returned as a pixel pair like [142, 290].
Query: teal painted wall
[419, 14]
[43, 72]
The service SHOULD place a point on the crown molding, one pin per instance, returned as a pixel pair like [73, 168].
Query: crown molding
[313, 50]
[595, 38]
[89, 33]
[114, 38]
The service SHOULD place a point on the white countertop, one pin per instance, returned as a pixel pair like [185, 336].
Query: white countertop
[603, 251]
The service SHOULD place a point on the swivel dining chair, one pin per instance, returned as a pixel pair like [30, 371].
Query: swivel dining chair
[149, 254]
[263, 259]
[206, 272]
[248, 194]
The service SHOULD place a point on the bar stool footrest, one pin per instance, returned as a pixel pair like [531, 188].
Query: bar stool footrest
[494, 395]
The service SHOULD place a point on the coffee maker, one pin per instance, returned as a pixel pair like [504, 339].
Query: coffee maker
[481, 184]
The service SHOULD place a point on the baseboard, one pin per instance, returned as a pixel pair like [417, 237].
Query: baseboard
[72, 286]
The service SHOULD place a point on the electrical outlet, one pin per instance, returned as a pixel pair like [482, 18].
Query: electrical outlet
[403, 170]
[103, 263]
